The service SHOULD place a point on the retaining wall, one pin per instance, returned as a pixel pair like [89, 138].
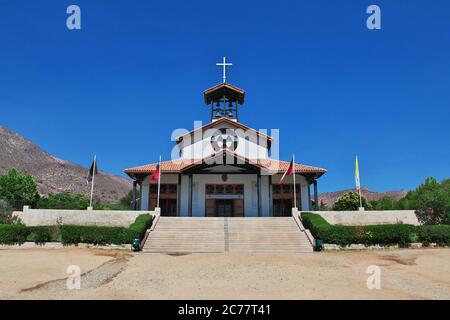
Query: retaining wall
[47, 217]
[361, 218]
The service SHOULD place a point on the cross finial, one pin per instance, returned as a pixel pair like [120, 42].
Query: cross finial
[224, 64]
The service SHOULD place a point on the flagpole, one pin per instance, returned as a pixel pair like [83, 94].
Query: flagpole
[295, 191]
[159, 182]
[358, 185]
[360, 198]
[93, 178]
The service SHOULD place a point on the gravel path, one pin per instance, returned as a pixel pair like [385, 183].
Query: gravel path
[405, 274]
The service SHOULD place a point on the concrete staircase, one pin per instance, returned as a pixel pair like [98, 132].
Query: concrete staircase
[175, 235]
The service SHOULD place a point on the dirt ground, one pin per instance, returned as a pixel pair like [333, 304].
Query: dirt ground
[405, 274]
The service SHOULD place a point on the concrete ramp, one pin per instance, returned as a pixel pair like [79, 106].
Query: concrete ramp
[178, 235]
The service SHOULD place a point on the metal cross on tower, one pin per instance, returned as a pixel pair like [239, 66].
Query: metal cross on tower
[224, 64]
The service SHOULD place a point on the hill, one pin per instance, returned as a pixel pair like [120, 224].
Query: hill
[329, 198]
[54, 175]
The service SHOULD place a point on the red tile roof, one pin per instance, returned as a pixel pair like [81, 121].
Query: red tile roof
[222, 89]
[172, 166]
[178, 166]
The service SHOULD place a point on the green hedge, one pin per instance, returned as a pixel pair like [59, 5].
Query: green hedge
[72, 234]
[402, 234]
[435, 234]
[43, 234]
[12, 233]
[138, 227]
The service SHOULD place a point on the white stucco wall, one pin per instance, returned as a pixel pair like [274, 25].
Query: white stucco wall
[199, 146]
[48, 217]
[360, 218]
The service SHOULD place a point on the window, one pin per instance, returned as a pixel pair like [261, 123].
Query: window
[220, 189]
[276, 189]
[209, 189]
[224, 189]
[172, 188]
[229, 189]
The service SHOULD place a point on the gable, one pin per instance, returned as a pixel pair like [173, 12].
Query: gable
[223, 123]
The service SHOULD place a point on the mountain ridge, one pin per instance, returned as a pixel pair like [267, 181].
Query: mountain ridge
[54, 175]
[329, 198]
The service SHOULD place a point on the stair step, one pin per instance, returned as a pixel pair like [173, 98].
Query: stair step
[196, 234]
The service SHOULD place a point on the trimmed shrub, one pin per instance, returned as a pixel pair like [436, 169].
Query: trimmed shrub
[71, 234]
[138, 228]
[43, 234]
[439, 234]
[312, 221]
[401, 234]
[12, 233]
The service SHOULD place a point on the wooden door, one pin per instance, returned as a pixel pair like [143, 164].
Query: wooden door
[224, 208]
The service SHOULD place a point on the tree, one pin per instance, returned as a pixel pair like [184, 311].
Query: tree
[18, 189]
[350, 201]
[432, 201]
[323, 206]
[123, 204]
[385, 203]
[63, 200]
[404, 204]
[126, 200]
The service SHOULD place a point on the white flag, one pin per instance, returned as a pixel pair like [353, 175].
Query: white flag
[357, 181]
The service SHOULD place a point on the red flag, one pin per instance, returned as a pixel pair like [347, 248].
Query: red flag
[156, 174]
[289, 171]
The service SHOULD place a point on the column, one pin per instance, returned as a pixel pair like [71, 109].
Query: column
[144, 196]
[179, 195]
[258, 186]
[190, 196]
[133, 196]
[309, 195]
[270, 197]
[316, 196]
[139, 205]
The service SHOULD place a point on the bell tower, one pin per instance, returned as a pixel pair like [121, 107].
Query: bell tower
[224, 99]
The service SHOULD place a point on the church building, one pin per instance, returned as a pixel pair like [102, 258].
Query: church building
[224, 169]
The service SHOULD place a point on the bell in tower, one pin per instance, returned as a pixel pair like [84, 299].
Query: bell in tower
[224, 100]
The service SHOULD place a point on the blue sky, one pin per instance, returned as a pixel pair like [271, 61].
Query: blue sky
[137, 70]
